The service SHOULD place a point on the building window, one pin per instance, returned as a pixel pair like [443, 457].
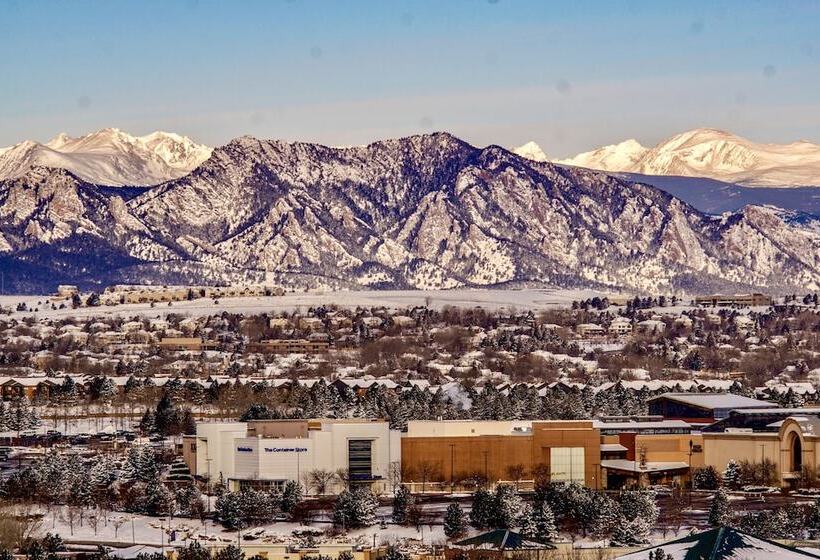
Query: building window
[262, 485]
[567, 464]
[360, 459]
[193, 447]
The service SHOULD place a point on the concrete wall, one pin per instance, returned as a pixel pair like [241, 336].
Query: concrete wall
[719, 448]
[238, 454]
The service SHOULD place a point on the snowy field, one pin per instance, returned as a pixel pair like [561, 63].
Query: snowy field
[534, 299]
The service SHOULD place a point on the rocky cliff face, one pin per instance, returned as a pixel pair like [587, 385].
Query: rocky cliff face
[425, 211]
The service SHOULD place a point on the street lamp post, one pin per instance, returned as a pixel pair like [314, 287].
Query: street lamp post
[208, 460]
[691, 475]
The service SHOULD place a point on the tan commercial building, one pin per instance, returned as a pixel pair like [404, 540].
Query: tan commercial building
[786, 437]
[192, 344]
[739, 300]
[289, 346]
[454, 450]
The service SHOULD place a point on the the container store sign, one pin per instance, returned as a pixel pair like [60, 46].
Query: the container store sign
[274, 449]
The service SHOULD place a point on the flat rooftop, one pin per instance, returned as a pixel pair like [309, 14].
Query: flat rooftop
[713, 401]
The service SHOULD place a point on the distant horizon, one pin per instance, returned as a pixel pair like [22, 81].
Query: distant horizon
[374, 140]
[568, 77]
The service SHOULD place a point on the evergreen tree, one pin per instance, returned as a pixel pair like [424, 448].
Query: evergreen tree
[355, 509]
[706, 478]
[230, 552]
[506, 507]
[539, 522]
[402, 501]
[660, 554]
[52, 542]
[228, 511]
[292, 495]
[719, 510]
[394, 553]
[731, 476]
[454, 523]
[481, 512]
[813, 519]
[148, 422]
[35, 551]
[158, 499]
[193, 551]
[630, 532]
[141, 464]
[188, 500]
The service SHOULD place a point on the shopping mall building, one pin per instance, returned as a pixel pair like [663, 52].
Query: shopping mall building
[443, 455]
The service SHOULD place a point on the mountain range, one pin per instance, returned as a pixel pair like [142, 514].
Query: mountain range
[427, 211]
[109, 157]
[704, 152]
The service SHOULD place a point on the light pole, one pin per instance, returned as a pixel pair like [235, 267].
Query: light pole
[208, 460]
[452, 465]
[691, 476]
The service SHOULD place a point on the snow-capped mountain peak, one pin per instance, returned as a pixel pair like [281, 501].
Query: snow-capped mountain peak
[531, 151]
[715, 154]
[614, 157]
[109, 157]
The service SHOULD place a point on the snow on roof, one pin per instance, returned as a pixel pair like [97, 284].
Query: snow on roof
[610, 447]
[637, 425]
[810, 425]
[636, 466]
[713, 401]
[722, 543]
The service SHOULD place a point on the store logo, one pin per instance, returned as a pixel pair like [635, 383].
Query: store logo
[245, 449]
[285, 449]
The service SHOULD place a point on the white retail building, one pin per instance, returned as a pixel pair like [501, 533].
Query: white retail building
[266, 453]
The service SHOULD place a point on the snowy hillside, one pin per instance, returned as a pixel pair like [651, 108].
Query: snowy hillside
[109, 157]
[714, 154]
[427, 211]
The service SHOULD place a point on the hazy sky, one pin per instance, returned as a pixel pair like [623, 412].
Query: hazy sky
[570, 75]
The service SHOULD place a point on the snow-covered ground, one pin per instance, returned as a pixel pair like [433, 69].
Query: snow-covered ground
[534, 299]
[127, 529]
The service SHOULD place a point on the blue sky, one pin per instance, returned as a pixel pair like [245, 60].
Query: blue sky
[570, 75]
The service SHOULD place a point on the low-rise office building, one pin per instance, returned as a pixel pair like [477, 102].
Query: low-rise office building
[267, 453]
